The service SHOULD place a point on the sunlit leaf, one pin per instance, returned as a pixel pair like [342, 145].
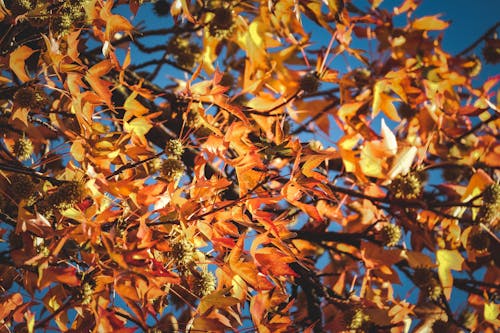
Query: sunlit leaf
[448, 260]
[430, 23]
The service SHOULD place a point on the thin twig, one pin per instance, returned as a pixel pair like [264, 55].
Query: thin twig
[479, 40]
[133, 165]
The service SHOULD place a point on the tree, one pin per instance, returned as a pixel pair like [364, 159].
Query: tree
[219, 172]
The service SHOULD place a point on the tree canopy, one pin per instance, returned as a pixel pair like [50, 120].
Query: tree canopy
[250, 166]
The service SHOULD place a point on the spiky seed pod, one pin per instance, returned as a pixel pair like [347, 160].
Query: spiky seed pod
[309, 82]
[479, 240]
[190, 57]
[408, 186]
[183, 254]
[440, 326]
[86, 293]
[67, 195]
[186, 54]
[355, 318]
[426, 280]
[155, 165]
[489, 212]
[24, 96]
[194, 120]
[361, 76]
[491, 194]
[205, 284]
[19, 7]
[30, 97]
[221, 23]
[45, 208]
[61, 25]
[434, 290]
[23, 148]
[390, 234]
[172, 169]
[22, 186]
[174, 148]
[422, 276]
[41, 19]
[161, 7]
[491, 51]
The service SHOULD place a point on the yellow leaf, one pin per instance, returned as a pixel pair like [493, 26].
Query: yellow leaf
[138, 126]
[218, 300]
[78, 150]
[133, 107]
[491, 313]
[17, 61]
[448, 260]
[370, 165]
[383, 101]
[430, 23]
[348, 110]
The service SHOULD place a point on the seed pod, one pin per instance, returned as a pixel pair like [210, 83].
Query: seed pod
[309, 82]
[22, 186]
[390, 234]
[222, 22]
[30, 97]
[408, 186]
[172, 169]
[183, 254]
[67, 195]
[174, 148]
[479, 240]
[440, 326]
[204, 284]
[23, 148]
[355, 319]
[161, 7]
[19, 7]
[491, 51]
[489, 213]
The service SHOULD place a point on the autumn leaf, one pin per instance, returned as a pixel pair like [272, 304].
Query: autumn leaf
[429, 23]
[384, 101]
[217, 300]
[448, 260]
[492, 313]
[17, 61]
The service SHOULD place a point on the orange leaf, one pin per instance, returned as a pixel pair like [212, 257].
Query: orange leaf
[9, 304]
[17, 61]
[430, 23]
[383, 101]
[66, 275]
[274, 262]
[101, 87]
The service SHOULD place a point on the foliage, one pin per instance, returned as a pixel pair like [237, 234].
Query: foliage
[201, 176]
